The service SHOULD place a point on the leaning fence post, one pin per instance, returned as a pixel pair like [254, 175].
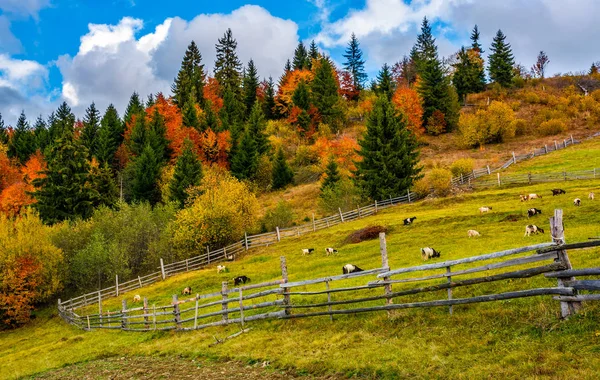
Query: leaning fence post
[572, 141]
[385, 266]
[449, 279]
[124, 314]
[341, 216]
[284, 276]
[117, 284]
[246, 240]
[224, 304]
[100, 307]
[162, 269]
[176, 313]
[146, 325]
[278, 234]
[314, 225]
[140, 281]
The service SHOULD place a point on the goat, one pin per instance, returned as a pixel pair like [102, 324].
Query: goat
[533, 211]
[532, 229]
[591, 196]
[137, 298]
[408, 221]
[428, 253]
[222, 268]
[484, 209]
[577, 202]
[307, 251]
[534, 196]
[473, 233]
[558, 192]
[187, 290]
[524, 198]
[240, 280]
[330, 251]
[350, 268]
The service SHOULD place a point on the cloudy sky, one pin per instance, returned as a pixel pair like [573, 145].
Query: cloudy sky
[102, 51]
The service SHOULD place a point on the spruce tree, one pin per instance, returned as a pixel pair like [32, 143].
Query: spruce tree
[62, 122]
[435, 95]
[190, 114]
[468, 73]
[231, 114]
[301, 96]
[257, 126]
[103, 182]
[109, 136]
[313, 54]
[282, 173]
[157, 137]
[332, 174]
[301, 60]
[425, 49]
[190, 78]
[22, 143]
[209, 119]
[188, 172]
[91, 126]
[42, 136]
[139, 135]
[355, 65]
[269, 102]
[250, 87]
[150, 101]
[145, 176]
[385, 85]
[134, 107]
[324, 90]
[228, 68]
[389, 154]
[287, 68]
[244, 163]
[475, 45]
[3, 132]
[501, 61]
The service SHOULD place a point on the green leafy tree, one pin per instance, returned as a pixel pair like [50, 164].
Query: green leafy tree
[257, 126]
[110, 136]
[301, 60]
[245, 162]
[22, 144]
[282, 173]
[91, 126]
[145, 176]
[134, 107]
[324, 90]
[385, 86]
[42, 136]
[269, 102]
[189, 83]
[354, 64]
[501, 61]
[332, 174]
[228, 68]
[389, 154]
[250, 87]
[188, 172]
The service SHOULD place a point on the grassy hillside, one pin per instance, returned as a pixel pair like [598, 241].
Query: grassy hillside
[511, 339]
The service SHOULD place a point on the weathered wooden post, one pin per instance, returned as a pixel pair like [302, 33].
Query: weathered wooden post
[154, 315]
[286, 291]
[196, 313]
[278, 234]
[124, 314]
[241, 308]
[488, 169]
[224, 304]
[565, 143]
[385, 265]
[514, 158]
[572, 141]
[187, 267]
[529, 178]
[117, 284]
[499, 183]
[594, 172]
[176, 312]
[449, 279]
[565, 175]
[162, 269]
[140, 281]
[314, 225]
[358, 209]
[146, 321]
[567, 308]
[207, 255]
[408, 193]
[297, 231]
[375, 207]
[328, 300]
[100, 307]
[546, 149]
[555, 145]
[246, 240]
[341, 215]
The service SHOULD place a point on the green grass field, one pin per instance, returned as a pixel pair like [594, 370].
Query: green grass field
[521, 338]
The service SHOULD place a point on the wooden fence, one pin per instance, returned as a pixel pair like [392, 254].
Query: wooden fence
[531, 178]
[378, 289]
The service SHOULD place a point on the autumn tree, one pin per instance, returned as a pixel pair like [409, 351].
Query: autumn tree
[228, 68]
[91, 126]
[301, 60]
[539, 68]
[250, 87]
[501, 61]
[188, 173]
[408, 101]
[404, 72]
[22, 143]
[110, 136]
[189, 83]
[354, 64]
[282, 173]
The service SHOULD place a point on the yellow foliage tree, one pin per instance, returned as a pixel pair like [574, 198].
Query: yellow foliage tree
[493, 125]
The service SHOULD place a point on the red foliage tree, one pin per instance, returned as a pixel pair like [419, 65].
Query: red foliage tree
[347, 88]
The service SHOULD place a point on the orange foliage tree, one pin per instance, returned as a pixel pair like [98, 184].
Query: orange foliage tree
[211, 92]
[344, 149]
[16, 196]
[347, 88]
[408, 101]
[283, 100]
[213, 148]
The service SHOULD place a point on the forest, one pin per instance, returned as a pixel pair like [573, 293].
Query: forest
[85, 199]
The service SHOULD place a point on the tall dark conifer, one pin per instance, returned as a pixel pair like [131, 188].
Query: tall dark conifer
[313, 53]
[475, 45]
[469, 74]
[333, 174]
[425, 49]
[269, 103]
[324, 89]
[134, 107]
[244, 163]
[190, 114]
[3, 132]
[22, 143]
[385, 85]
[190, 78]
[250, 87]
[501, 61]
[42, 136]
[354, 64]
[146, 173]
[139, 135]
[91, 126]
[228, 68]
[256, 126]
[282, 173]
[157, 137]
[61, 122]
[301, 60]
[188, 172]
[103, 182]
[109, 136]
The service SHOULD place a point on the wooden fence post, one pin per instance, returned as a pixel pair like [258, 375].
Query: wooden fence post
[572, 141]
[124, 314]
[358, 209]
[196, 313]
[376, 206]
[207, 255]
[284, 276]
[246, 240]
[146, 325]
[140, 281]
[499, 183]
[154, 315]
[565, 143]
[224, 305]
[558, 236]
[341, 216]
[328, 300]
[514, 158]
[297, 234]
[100, 307]
[117, 284]
[546, 148]
[278, 234]
[529, 177]
[314, 225]
[488, 169]
[385, 264]
[408, 193]
[187, 267]
[241, 308]
[162, 269]
[449, 279]
[176, 312]
[594, 172]
[565, 174]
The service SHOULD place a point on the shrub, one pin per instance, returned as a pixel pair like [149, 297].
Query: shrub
[551, 127]
[281, 216]
[367, 233]
[264, 173]
[493, 125]
[462, 166]
[436, 124]
[343, 195]
[421, 188]
[439, 181]
[469, 128]
[596, 95]
[520, 127]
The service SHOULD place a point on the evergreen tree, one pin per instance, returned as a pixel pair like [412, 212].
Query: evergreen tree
[355, 65]
[190, 114]
[190, 78]
[250, 87]
[145, 176]
[188, 172]
[139, 135]
[22, 143]
[435, 95]
[42, 136]
[425, 49]
[301, 96]
[210, 118]
[313, 54]
[269, 102]
[91, 125]
[62, 122]
[324, 90]
[257, 126]
[282, 173]
[134, 107]
[332, 172]
[287, 68]
[389, 154]
[501, 61]
[3, 132]
[475, 45]
[65, 192]
[244, 163]
[109, 136]
[301, 60]
[231, 114]
[228, 68]
[157, 137]
[469, 76]
[150, 101]
[385, 85]
[103, 182]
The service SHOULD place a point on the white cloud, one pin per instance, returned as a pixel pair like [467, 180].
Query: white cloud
[109, 37]
[8, 42]
[24, 7]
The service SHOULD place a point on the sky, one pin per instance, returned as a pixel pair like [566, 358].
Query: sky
[102, 50]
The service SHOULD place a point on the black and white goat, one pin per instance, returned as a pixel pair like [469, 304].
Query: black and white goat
[408, 221]
[533, 211]
[187, 290]
[240, 280]
[533, 229]
[307, 251]
[330, 251]
[577, 202]
[558, 192]
[350, 268]
[429, 253]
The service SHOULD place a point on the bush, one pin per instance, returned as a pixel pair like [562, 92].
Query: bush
[343, 195]
[264, 173]
[436, 124]
[281, 216]
[421, 188]
[596, 95]
[493, 125]
[439, 181]
[367, 233]
[520, 127]
[462, 166]
[552, 127]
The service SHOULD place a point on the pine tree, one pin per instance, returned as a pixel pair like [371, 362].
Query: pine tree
[139, 135]
[109, 136]
[190, 78]
[257, 126]
[501, 61]
[269, 102]
[332, 174]
[282, 173]
[150, 101]
[313, 54]
[42, 136]
[355, 65]
[3, 132]
[62, 122]
[469, 73]
[91, 126]
[145, 176]
[190, 114]
[385, 85]
[435, 95]
[301, 96]
[188, 172]
[389, 154]
[103, 182]
[134, 107]
[157, 137]
[425, 49]
[22, 144]
[475, 45]
[65, 192]
[228, 68]
[244, 163]
[300, 61]
[209, 119]
[324, 90]
[287, 68]
[231, 114]
[250, 87]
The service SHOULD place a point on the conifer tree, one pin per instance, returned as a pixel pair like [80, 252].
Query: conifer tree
[91, 126]
[425, 49]
[62, 122]
[475, 45]
[228, 68]
[250, 87]
[190, 78]
[134, 107]
[287, 68]
[42, 136]
[244, 163]
[385, 85]
[22, 144]
[301, 96]
[103, 182]
[150, 101]
[146, 173]
[355, 65]
[313, 54]
[469, 76]
[501, 61]
[188, 172]
[209, 119]
[282, 173]
[257, 126]
[109, 136]
[190, 114]
[3, 132]
[324, 90]
[332, 174]
[301, 60]
[157, 137]
[231, 114]
[269, 102]
[389, 154]
[139, 135]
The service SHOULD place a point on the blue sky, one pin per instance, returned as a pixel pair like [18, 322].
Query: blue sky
[84, 51]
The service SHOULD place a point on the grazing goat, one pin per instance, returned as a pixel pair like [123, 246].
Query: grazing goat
[330, 251]
[473, 233]
[524, 198]
[484, 209]
[408, 221]
[306, 251]
[532, 229]
[222, 268]
[240, 280]
[558, 192]
[533, 211]
[429, 253]
[137, 298]
[577, 202]
[187, 290]
[350, 268]
[591, 196]
[534, 196]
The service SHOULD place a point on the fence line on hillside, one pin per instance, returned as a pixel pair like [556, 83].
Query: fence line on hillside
[281, 299]
[531, 178]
